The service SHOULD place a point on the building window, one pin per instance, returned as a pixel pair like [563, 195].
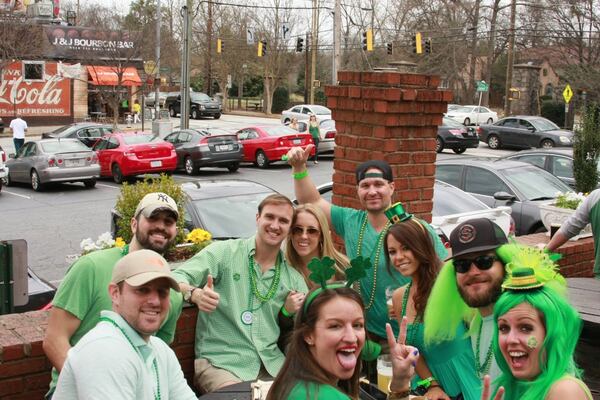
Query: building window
[545, 72]
[549, 90]
[33, 70]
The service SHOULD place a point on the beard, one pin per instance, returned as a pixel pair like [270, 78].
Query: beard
[482, 299]
[144, 240]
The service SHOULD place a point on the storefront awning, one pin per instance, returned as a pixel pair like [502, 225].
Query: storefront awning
[108, 76]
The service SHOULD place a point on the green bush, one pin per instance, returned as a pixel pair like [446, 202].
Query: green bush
[554, 111]
[131, 194]
[281, 99]
[586, 151]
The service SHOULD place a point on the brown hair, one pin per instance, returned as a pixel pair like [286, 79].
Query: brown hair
[274, 199]
[412, 234]
[300, 365]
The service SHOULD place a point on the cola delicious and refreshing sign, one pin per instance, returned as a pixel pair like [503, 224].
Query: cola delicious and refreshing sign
[77, 43]
[50, 96]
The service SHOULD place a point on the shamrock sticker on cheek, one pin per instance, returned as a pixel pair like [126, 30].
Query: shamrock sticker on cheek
[532, 342]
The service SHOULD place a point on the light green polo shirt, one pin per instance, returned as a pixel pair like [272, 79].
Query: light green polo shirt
[221, 336]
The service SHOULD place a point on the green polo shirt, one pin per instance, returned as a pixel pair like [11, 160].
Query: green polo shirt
[221, 336]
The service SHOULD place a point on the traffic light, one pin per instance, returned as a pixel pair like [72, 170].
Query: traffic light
[219, 46]
[262, 48]
[390, 48]
[368, 40]
[416, 43]
[299, 45]
[428, 46]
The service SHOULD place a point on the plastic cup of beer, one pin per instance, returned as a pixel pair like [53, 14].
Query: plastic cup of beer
[384, 372]
[390, 307]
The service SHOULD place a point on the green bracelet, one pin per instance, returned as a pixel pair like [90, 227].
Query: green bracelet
[286, 313]
[300, 175]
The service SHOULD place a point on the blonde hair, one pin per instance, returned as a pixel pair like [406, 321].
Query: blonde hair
[326, 247]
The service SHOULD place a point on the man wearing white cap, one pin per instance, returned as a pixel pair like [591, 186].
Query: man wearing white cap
[119, 358]
[82, 294]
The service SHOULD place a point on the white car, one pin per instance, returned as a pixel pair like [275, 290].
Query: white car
[303, 111]
[3, 167]
[468, 115]
[327, 131]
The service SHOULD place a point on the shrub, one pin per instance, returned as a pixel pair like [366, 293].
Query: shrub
[281, 99]
[586, 151]
[132, 194]
[554, 111]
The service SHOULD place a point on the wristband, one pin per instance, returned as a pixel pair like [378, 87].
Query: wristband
[300, 175]
[427, 382]
[286, 313]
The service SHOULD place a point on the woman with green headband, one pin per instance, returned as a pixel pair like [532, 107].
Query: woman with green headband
[536, 337]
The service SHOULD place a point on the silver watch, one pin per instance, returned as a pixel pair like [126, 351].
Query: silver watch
[187, 295]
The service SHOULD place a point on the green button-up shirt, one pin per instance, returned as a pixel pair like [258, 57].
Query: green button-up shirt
[221, 336]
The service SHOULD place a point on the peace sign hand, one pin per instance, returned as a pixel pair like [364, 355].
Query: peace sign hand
[404, 358]
[485, 394]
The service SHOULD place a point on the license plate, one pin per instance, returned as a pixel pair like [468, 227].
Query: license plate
[224, 147]
[297, 141]
[74, 163]
[155, 164]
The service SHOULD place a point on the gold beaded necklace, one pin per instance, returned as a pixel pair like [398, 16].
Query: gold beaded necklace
[378, 247]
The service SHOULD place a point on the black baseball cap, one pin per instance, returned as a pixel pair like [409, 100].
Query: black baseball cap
[381, 165]
[475, 235]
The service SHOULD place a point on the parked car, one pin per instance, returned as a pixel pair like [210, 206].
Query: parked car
[226, 207]
[524, 132]
[327, 132]
[1, 125]
[453, 106]
[451, 207]
[303, 111]
[206, 148]
[3, 167]
[517, 184]
[266, 144]
[201, 105]
[87, 132]
[558, 161]
[472, 115]
[453, 135]
[124, 154]
[150, 97]
[53, 160]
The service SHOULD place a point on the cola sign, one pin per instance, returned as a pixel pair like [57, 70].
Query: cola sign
[75, 42]
[47, 97]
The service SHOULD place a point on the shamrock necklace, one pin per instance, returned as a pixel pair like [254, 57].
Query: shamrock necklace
[247, 316]
[482, 369]
[378, 247]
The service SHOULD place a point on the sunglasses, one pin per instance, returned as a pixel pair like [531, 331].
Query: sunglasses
[463, 265]
[298, 231]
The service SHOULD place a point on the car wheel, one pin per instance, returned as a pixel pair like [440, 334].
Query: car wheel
[172, 112]
[490, 121]
[90, 183]
[189, 166]
[493, 142]
[195, 114]
[233, 167]
[217, 116]
[261, 159]
[117, 174]
[286, 121]
[467, 122]
[439, 144]
[459, 150]
[547, 144]
[7, 181]
[35, 181]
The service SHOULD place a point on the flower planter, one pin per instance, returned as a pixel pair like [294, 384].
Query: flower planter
[551, 214]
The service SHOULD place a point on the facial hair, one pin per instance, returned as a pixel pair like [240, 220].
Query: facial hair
[484, 299]
[144, 240]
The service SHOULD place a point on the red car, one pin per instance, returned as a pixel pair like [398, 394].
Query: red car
[122, 154]
[266, 144]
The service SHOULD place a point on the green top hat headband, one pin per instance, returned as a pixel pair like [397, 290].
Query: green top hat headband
[396, 213]
[522, 278]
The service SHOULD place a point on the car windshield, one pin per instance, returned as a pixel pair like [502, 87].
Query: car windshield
[544, 124]
[213, 132]
[63, 146]
[448, 200]
[61, 129]
[451, 123]
[328, 124]
[534, 182]
[462, 110]
[231, 216]
[320, 110]
[199, 97]
[138, 139]
[279, 130]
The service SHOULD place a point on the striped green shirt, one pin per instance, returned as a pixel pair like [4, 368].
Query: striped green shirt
[221, 336]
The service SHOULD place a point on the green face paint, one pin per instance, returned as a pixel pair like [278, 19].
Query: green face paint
[532, 342]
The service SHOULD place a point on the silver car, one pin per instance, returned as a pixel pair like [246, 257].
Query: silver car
[53, 160]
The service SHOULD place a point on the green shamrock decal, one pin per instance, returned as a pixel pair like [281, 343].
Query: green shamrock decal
[321, 269]
[357, 270]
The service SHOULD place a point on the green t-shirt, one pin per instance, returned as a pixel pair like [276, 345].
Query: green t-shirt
[314, 131]
[315, 391]
[84, 293]
[347, 223]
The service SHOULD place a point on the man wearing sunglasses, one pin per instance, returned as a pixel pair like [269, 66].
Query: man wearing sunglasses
[477, 272]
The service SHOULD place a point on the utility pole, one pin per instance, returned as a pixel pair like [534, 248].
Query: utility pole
[473, 61]
[511, 49]
[208, 82]
[185, 66]
[157, 65]
[337, 40]
[315, 41]
[307, 78]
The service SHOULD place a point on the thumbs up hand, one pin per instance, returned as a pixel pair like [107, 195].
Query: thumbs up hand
[208, 299]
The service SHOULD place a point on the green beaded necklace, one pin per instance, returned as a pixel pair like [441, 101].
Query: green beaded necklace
[274, 285]
[410, 339]
[482, 369]
[154, 366]
[378, 247]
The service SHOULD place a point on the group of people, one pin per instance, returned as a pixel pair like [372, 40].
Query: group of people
[313, 129]
[495, 308]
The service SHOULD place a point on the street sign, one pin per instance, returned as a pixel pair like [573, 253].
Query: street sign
[149, 67]
[482, 86]
[567, 93]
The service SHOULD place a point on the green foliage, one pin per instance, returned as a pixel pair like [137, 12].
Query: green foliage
[586, 150]
[197, 83]
[281, 99]
[132, 194]
[320, 97]
[554, 111]
[569, 200]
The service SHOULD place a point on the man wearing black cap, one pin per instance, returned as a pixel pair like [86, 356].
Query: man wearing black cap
[363, 231]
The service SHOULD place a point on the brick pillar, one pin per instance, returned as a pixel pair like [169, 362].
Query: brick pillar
[389, 116]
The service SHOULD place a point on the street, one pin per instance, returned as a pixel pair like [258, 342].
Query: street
[55, 221]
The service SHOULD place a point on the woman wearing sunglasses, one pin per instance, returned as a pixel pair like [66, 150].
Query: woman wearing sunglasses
[445, 370]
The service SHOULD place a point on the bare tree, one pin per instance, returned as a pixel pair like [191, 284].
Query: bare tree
[20, 39]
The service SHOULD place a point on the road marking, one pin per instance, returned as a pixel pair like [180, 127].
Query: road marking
[16, 194]
[108, 186]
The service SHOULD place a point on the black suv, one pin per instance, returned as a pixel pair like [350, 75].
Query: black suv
[200, 105]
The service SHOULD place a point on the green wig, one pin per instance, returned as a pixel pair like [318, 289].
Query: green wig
[563, 327]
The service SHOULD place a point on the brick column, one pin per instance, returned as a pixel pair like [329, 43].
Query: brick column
[389, 116]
